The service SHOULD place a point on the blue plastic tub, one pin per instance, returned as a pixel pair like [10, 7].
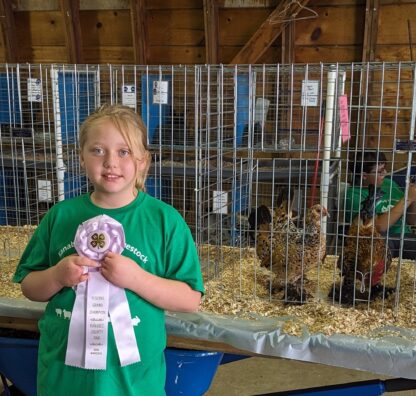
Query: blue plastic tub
[190, 373]
[159, 188]
[187, 372]
[18, 362]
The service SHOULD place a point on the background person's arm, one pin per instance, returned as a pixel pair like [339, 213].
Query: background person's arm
[385, 220]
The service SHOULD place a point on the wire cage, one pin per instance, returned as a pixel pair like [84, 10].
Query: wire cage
[226, 140]
[297, 132]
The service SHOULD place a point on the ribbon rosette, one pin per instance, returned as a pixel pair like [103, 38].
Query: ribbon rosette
[97, 299]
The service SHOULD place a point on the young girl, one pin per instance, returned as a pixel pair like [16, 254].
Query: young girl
[159, 267]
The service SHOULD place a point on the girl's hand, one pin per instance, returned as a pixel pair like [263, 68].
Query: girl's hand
[119, 270]
[70, 270]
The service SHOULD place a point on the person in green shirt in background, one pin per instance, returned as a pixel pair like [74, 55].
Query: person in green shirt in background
[369, 167]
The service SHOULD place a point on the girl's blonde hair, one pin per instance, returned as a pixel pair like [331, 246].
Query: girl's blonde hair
[131, 127]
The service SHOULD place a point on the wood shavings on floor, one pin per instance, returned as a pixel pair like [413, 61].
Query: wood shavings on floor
[241, 289]
[238, 287]
[12, 243]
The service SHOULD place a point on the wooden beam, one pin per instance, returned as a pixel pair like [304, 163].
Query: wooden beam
[288, 47]
[9, 322]
[269, 30]
[8, 30]
[203, 345]
[370, 30]
[73, 36]
[138, 28]
[211, 31]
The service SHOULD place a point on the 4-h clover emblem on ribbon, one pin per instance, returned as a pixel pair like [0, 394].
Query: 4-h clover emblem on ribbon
[99, 235]
[98, 240]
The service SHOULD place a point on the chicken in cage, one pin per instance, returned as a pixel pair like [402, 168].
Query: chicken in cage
[287, 249]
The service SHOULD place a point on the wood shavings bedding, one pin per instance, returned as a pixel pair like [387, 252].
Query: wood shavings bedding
[12, 243]
[236, 286]
[241, 290]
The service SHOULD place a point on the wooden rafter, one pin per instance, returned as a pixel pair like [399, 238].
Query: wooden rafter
[370, 30]
[73, 36]
[211, 31]
[288, 35]
[138, 28]
[269, 30]
[8, 30]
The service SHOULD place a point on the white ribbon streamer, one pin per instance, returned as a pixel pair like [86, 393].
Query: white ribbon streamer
[128, 351]
[96, 326]
[75, 351]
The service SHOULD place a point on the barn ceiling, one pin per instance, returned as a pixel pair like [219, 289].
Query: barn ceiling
[206, 31]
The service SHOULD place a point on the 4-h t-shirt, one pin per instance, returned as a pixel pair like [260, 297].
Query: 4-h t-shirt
[392, 195]
[160, 241]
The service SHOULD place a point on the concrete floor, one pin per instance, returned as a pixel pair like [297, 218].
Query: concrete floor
[253, 376]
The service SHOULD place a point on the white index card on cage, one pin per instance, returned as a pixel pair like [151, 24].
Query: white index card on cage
[160, 92]
[34, 90]
[261, 109]
[219, 201]
[128, 97]
[44, 191]
[310, 93]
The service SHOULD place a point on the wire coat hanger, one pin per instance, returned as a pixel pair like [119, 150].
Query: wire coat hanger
[283, 14]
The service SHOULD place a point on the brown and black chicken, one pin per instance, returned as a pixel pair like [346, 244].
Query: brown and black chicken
[365, 259]
[287, 250]
[263, 230]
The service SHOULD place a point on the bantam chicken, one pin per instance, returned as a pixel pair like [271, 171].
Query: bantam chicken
[365, 259]
[288, 251]
[260, 220]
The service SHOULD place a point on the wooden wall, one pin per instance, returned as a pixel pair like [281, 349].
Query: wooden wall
[206, 31]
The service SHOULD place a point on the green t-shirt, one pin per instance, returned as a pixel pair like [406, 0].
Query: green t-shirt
[159, 240]
[392, 195]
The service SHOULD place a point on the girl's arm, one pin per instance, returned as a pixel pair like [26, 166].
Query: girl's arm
[411, 211]
[167, 294]
[411, 214]
[385, 220]
[42, 285]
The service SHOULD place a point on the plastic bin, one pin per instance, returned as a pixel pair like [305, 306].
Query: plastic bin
[13, 196]
[190, 373]
[10, 95]
[159, 188]
[18, 362]
[78, 97]
[187, 372]
[156, 107]
[75, 184]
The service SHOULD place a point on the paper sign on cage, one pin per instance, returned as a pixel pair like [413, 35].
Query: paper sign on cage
[310, 93]
[128, 97]
[343, 118]
[220, 201]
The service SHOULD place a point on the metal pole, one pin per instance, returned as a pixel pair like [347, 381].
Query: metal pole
[329, 121]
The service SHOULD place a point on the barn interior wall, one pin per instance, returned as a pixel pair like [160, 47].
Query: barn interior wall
[175, 31]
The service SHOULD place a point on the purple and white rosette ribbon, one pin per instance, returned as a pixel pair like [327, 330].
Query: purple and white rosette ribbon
[97, 299]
